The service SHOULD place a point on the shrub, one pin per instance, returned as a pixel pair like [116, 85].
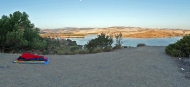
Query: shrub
[17, 32]
[141, 44]
[118, 38]
[179, 49]
[71, 43]
[102, 41]
[66, 50]
[97, 50]
[60, 52]
[108, 49]
[73, 48]
[81, 51]
[57, 46]
[117, 47]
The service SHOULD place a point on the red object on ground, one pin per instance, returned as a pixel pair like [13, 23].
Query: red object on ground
[28, 55]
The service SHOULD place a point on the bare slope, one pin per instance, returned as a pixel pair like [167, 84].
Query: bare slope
[133, 32]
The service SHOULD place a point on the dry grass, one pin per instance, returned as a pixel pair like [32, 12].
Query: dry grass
[126, 32]
[63, 35]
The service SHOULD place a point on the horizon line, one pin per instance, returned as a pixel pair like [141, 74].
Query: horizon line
[118, 27]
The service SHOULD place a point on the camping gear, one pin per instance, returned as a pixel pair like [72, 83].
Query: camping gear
[32, 59]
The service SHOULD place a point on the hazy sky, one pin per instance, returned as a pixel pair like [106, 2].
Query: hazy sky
[102, 13]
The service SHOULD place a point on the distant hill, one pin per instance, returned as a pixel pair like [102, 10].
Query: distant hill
[132, 32]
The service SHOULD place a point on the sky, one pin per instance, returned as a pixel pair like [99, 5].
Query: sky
[49, 14]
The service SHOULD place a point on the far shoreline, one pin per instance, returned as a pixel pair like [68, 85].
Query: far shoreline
[127, 32]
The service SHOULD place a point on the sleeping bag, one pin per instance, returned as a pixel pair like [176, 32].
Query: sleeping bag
[31, 57]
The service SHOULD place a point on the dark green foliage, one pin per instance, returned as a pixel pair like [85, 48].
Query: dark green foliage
[60, 47]
[63, 51]
[141, 44]
[53, 46]
[15, 39]
[79, 51]
[101, 41]
[108, 49]
[38, 44]
[97, 50]
[117, 47]
[17, 32]
[171, 50]
[83, 51]
[73, 48]
[71, 43]
[179, 49]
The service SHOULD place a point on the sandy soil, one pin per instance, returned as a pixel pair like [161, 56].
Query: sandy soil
[128, 67]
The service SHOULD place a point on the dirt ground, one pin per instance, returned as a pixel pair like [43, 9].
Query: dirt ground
[128, 67]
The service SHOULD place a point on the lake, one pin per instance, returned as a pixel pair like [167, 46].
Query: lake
[133, 41]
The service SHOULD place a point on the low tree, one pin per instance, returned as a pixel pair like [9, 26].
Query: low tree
[179, 49]
[16, 32]
[118, 38]
[15, 39]
[102, 41]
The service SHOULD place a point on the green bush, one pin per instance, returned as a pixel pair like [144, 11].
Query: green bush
[17, 32]
[117, 47]
[108, 49]
[79, 51]
[179, 49]
[73, 48]
[102, 41]
[83, 51]
[71, 43]
[66, 50]
[56, 46]
[60, 52]
[97, 50]
[141, 44]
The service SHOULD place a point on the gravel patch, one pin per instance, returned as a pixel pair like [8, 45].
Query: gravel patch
[184, 66]
[128, 67]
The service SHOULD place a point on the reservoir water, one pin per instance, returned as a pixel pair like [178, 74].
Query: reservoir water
[133, 41]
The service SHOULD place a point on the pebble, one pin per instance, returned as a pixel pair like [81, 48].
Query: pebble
[182, 69]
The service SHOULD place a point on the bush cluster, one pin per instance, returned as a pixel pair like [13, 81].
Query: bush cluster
[179, 49]
[101, 42]
[60, 46]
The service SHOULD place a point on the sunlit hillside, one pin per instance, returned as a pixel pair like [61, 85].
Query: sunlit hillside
[127, 32]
